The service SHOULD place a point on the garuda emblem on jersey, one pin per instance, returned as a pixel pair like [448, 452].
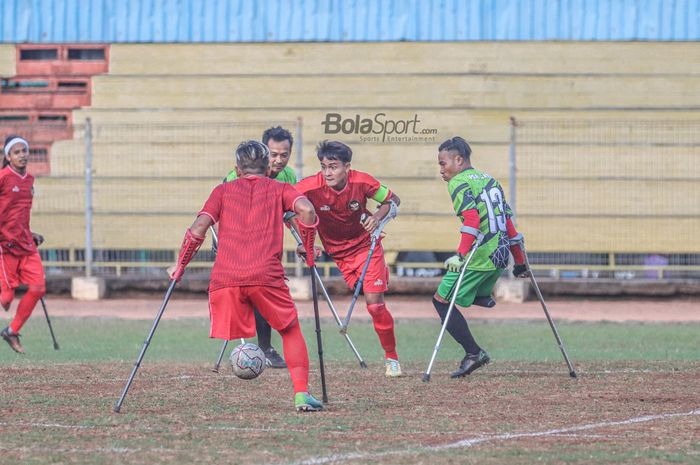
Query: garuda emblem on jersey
[354, 205]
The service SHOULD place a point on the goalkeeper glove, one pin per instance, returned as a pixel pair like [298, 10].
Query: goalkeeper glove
[454, 263]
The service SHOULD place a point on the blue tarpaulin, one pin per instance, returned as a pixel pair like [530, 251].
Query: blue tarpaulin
[168, 21]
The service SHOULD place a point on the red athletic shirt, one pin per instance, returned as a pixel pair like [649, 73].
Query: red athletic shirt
[250, 214]
[16, 194]
[339, 212]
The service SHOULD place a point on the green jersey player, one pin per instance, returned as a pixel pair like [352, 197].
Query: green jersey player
[479, 202]
[286, 175]
[279, 141]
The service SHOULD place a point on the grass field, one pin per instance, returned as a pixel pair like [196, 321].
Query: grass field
[635, 400]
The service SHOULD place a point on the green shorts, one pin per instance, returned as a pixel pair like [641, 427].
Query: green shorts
[474, 284]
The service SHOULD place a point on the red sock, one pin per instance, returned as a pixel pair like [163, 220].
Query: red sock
[296, 356]
[26, 307]
[384, 326]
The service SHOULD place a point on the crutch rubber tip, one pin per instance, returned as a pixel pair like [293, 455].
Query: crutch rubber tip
[215, 369]
[573, 374]
[116, 409]
[55, 347]
[363, 364]
[426, 377]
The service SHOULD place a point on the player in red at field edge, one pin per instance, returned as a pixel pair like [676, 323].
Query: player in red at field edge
[247, 270]
[339, 195]
[19, 257]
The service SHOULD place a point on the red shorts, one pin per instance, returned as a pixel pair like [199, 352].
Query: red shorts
[231, 310]
[377, 277]
[26, 269]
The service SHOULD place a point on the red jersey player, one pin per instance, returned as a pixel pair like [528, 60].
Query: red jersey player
[19, 257]
[339, 195]
[247, 270]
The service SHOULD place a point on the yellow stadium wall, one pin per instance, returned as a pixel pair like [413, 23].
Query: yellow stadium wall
[467, 89]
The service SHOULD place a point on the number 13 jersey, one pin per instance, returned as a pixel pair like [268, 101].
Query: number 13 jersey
[473, 189]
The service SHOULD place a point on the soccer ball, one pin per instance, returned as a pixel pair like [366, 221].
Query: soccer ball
[247, 361]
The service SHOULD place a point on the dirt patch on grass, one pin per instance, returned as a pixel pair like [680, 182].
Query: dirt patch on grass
[515, 412]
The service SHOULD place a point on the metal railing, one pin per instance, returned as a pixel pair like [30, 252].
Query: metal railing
[137, 186]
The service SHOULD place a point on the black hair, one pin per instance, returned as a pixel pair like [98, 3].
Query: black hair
[5, 161]
[457, 144]
[279, 134]
[252, 157]
[334, 150]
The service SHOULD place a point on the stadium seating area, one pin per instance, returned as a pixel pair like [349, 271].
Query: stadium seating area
[150, 181]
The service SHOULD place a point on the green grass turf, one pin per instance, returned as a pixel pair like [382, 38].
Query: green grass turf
[58, 403]
[110, 339]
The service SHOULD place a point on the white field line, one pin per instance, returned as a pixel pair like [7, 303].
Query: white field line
[213, 428]
[466, 443]
[147, 428]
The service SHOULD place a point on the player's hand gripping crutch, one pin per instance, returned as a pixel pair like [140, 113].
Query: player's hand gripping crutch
[189, 248]
[288, 216]
[523, 271]
[376, 234]
[455, 292]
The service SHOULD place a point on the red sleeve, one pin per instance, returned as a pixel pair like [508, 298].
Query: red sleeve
[514, 249]
[212, 207]
[472, 220]
[289, 197]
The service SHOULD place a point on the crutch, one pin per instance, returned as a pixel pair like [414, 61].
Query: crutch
[221, 355]
[319, 341]
[48, 321]
[358, 286]
[519, 240]
[314, 270]
[118, 405]
[475, 245]
[38, 242]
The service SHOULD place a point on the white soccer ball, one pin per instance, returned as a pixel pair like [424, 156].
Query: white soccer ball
[247, 361]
